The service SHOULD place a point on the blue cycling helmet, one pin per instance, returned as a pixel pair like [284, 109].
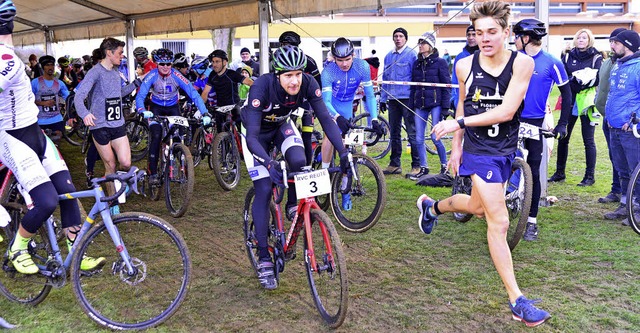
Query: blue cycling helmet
[200, 64]
[163, 56]
[7, 12]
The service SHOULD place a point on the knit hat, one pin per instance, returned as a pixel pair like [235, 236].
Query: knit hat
[248, 69]
[402, 31]
[428, 38]
[616, 32]
[630, 39]
[470, 28]
[245, 49]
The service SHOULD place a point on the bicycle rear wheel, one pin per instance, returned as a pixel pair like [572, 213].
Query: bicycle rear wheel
[631, 188]
[518, 200]
[461, 184]
[17, 287]
[178, 180]
[226, 161]
[378, 146]
[328, 279]
[368, 196]
[162, 266]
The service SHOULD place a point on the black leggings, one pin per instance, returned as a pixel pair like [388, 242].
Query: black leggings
[588, 132]
[534, 159]
[155, 131]
[307, 133]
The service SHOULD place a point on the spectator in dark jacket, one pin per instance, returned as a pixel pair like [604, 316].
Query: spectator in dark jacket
[581, 63]
[425, 100]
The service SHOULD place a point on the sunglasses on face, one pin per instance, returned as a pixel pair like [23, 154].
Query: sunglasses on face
[165, 64]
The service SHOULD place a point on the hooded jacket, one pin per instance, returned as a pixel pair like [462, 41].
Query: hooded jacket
[431, 69]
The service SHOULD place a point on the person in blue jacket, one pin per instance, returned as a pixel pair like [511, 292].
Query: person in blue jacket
[623, 101]
[429, 100]
[163, 82]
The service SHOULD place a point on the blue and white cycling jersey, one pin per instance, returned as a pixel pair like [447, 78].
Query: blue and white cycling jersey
[339, 88]
[165, 90]
[547, 71]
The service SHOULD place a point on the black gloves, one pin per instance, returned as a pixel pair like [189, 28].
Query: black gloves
[275, 172]
[560, 131]
[343, 124]
[383, 107]
[375, 124]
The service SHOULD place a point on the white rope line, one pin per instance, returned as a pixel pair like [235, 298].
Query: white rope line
[424, 84]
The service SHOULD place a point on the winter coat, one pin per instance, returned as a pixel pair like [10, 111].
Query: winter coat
[576, 60]
[431, 69]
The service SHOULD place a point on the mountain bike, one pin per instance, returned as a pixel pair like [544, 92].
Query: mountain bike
[175, 171]
[226, 149]
[148, 268]
[517, 190]
[633, 183]
[324, 258]
[357, 201]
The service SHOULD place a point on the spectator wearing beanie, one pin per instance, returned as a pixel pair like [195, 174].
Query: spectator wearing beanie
[245, 54]
[397, 67]
[624, 100]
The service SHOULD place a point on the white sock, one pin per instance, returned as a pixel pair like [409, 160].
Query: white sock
[532, 220]
[325, 165]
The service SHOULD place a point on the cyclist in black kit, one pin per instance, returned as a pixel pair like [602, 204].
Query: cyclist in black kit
[266, 121]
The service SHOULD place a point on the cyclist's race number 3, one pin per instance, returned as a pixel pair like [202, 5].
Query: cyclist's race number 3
[113, 109]
[312, 184]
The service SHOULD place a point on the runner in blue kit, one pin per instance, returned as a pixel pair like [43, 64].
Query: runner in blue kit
[547, 71]
[163, 82]
[495, 83]
[340, 80]
[267, 124]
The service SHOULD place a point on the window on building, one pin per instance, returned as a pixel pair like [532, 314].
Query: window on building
[175, 46]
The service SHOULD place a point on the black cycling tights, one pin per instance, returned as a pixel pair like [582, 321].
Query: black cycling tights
[155, 130]
[295, 161]
[307, 134]
[45, 200]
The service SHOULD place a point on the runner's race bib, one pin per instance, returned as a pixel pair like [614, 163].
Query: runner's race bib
[113, 109]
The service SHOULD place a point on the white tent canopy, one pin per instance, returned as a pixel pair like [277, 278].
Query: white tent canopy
[61, 20]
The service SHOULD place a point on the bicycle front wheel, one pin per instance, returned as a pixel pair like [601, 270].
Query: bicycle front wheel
[197, 146]
[631, 188]
[153, 293]
[226, 161]
[178, 180]
[138, 135]
[518, 200]
[321, 200]
[328, 279]
[362, 208]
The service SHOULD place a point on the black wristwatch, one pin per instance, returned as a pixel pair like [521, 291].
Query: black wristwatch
[461, 122]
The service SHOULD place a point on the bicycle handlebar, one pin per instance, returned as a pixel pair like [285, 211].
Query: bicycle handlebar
[130, 178]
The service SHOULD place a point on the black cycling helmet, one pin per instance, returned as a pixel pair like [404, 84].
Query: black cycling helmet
[180, 60]
[47, 60]
[140, 52]
[163, 56]
[288, 58]
[289, 37]
[342, 48]
[63, 61]
[218, 54]
[531, 27]
[7, 12]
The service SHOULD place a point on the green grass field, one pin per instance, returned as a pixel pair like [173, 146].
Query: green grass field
[583, 267]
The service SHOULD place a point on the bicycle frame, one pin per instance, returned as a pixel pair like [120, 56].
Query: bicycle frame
[230, 126]
[304, 205]
[99, 207]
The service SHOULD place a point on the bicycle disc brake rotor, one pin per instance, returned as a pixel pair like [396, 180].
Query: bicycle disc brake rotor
[139, 274]
[58, 277]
